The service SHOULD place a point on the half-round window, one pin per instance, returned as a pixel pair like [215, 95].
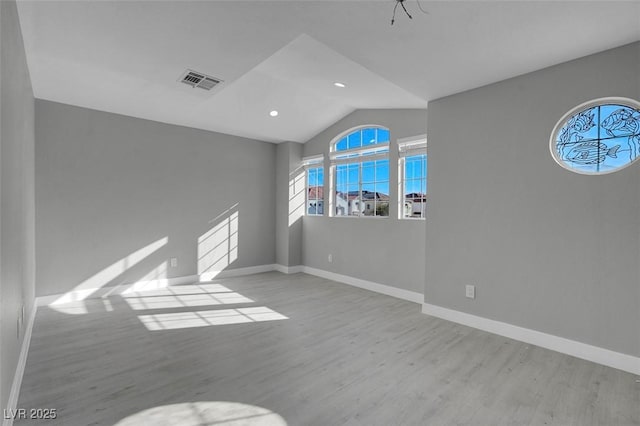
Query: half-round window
[598, 137]
[362, 137]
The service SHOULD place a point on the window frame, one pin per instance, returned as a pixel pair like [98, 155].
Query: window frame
[627, 102]
[410, 147]
[315, 162]
[359, 155]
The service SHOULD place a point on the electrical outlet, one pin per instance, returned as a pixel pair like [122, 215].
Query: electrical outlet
[330, 258]
[174, 262]
[470, 291]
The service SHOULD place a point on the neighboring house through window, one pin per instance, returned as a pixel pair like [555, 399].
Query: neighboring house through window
[412, 173]
[360, 172]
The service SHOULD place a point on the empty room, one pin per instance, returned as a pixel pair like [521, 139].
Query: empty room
[357, 212]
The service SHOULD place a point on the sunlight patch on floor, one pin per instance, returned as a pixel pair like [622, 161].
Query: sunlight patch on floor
[179, 320]
[219, 413]
[183, 296]
[97, 281]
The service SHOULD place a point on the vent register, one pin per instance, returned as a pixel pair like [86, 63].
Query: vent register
[199, 80]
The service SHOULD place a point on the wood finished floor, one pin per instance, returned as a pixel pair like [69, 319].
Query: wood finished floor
[344, 356]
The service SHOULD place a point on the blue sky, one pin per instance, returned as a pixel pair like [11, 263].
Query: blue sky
[586, 133]
[375, 176]
[375, 173]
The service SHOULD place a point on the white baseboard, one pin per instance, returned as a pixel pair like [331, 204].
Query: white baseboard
[94, 293]
[399, 293]
[22, 362]
[288, 269]
[581, 350]
[250, 270]
[58, 299]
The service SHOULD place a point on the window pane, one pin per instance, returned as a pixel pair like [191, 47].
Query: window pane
[408, 168]
[342, 203]
[369, 136]
[362, 187]
[368, 172]
[341, 178]
[382, 170]
[354, 173]
[315, 191]
[415, 186]
[355, 140]
[354, 201]
[382, 208]
[424, 174]
[599, 139]
[312, 177]
[382, 188]
[362, 138]
[383, 135]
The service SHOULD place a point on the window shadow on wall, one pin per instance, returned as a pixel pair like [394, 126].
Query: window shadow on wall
[218, 247]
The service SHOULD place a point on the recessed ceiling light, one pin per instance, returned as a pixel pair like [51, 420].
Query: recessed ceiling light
[338, 84]
[273, 113]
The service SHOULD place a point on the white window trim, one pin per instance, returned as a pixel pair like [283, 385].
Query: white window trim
[408, 147]
[379, 151]
[356, 154]
[313, 162]
[414, 145]
[631, 103]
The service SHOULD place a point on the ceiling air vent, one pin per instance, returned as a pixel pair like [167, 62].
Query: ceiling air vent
[199, 80]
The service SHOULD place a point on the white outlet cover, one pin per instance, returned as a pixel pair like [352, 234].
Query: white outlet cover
[470, 291]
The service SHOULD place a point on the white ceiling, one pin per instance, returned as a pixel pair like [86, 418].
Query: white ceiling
[126, 57]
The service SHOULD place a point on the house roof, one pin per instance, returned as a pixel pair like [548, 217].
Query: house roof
[366, 195]
[315, 192]
[415, 195]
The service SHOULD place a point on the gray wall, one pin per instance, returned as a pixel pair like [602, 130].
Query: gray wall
[17, 254]
[548, 249]
[384, 250]
[290, 192]
[108, 185]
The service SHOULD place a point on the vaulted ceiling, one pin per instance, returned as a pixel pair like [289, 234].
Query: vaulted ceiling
[126, 57]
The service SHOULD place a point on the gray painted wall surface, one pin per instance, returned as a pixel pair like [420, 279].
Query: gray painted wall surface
[17, 253]
[384, 250]
[290, 192]
[108, 185]
[548, 249]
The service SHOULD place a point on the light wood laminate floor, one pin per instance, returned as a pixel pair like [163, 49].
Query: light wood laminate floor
[343, 356]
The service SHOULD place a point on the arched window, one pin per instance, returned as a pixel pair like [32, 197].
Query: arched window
[598, 137]
[360, 172]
